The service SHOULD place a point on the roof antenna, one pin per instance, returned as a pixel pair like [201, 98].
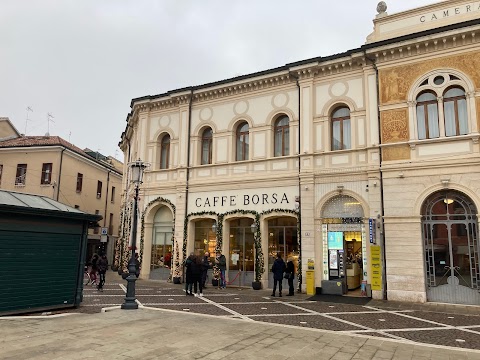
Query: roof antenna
[49, 118]
[28, 109]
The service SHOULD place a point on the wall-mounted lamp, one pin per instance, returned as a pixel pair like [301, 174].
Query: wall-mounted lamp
[214, 227]
[253, 227]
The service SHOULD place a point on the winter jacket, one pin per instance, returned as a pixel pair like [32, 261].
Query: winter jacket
[278, 268]
[102, 265]
[222, 262]
[290, 269]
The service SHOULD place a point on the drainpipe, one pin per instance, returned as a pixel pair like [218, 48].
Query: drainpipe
[106, 200]
[60, 174]
[105, 212]
[299, 286]
[382, 201]
[188, 160]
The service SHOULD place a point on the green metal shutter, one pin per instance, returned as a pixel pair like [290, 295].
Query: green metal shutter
[40, 261]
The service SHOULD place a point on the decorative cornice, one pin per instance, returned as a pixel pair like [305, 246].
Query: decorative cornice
[425, 45]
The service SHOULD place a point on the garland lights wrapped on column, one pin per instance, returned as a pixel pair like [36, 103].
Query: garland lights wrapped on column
[119, 241]
[259, 261]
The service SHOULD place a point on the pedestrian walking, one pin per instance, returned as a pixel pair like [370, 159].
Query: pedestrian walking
[290, 275]
[189, 263]
[137, 266]
[102, 266]
[93, 269]
[221, 262]
[278, 268]
[206, 265]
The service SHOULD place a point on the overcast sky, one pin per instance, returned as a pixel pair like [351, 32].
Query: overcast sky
[84, 60]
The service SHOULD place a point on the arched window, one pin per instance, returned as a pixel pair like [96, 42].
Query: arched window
[427, 116]
[207, 146]
[281, 136]
[165, 152]
[242, 142]
[455, 110]
[341, 129]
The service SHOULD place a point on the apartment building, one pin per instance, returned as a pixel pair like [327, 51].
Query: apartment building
[53, 167]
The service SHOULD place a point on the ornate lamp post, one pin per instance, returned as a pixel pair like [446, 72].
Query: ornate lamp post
[137, 169]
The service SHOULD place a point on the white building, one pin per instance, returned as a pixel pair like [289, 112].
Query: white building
[364, 158]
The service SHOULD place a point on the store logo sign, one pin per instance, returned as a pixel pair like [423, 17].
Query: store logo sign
[242, 200]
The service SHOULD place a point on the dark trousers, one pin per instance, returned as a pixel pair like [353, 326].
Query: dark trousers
[291, 291]
[275, 281]
[204, 278]
[101, 275]
[198, 281]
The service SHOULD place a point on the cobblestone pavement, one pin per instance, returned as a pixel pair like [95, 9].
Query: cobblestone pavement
[451, 326]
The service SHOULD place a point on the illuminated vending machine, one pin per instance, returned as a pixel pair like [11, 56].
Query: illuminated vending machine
[336, 255]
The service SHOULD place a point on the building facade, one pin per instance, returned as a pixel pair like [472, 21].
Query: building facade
[51, 166]
[361, 167]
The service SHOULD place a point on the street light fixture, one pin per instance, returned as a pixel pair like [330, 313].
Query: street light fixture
[137, 168]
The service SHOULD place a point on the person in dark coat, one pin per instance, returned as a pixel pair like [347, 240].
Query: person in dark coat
[206, 265]
[291, 275]
[137, 266]
[189, 264]
[102, 266]
[221, 262]
[278, 268]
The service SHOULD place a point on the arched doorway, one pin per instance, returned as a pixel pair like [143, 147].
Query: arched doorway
[450, 235]
[344, 242]
[161, 260]
[283, 239]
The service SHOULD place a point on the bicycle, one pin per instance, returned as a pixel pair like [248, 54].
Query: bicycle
[90, 276]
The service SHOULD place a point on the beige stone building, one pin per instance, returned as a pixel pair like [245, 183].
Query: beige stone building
[53, 167]
[361, 166]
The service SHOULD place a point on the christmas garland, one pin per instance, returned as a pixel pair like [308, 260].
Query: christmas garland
[216, 272]
[259, 260]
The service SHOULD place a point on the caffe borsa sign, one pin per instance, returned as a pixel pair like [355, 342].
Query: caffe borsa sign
[258, 200]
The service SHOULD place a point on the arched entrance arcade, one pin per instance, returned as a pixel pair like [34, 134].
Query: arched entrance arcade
[344, 244]
[450, 236]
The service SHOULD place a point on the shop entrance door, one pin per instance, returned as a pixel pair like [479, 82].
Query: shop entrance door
[241, 256]
[282, 239]
[452, 250]
[161, 255]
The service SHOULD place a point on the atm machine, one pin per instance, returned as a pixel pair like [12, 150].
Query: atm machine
[336, 264]
[337, 282]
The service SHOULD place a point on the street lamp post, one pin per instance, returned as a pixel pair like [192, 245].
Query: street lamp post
[137, 169]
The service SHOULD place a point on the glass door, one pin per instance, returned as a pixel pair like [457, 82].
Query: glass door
[161, 259]
[241, 256]
[283, 239]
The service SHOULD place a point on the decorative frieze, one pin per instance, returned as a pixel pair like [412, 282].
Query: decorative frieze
[394, 125]
[399, 152]
[396, 82]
